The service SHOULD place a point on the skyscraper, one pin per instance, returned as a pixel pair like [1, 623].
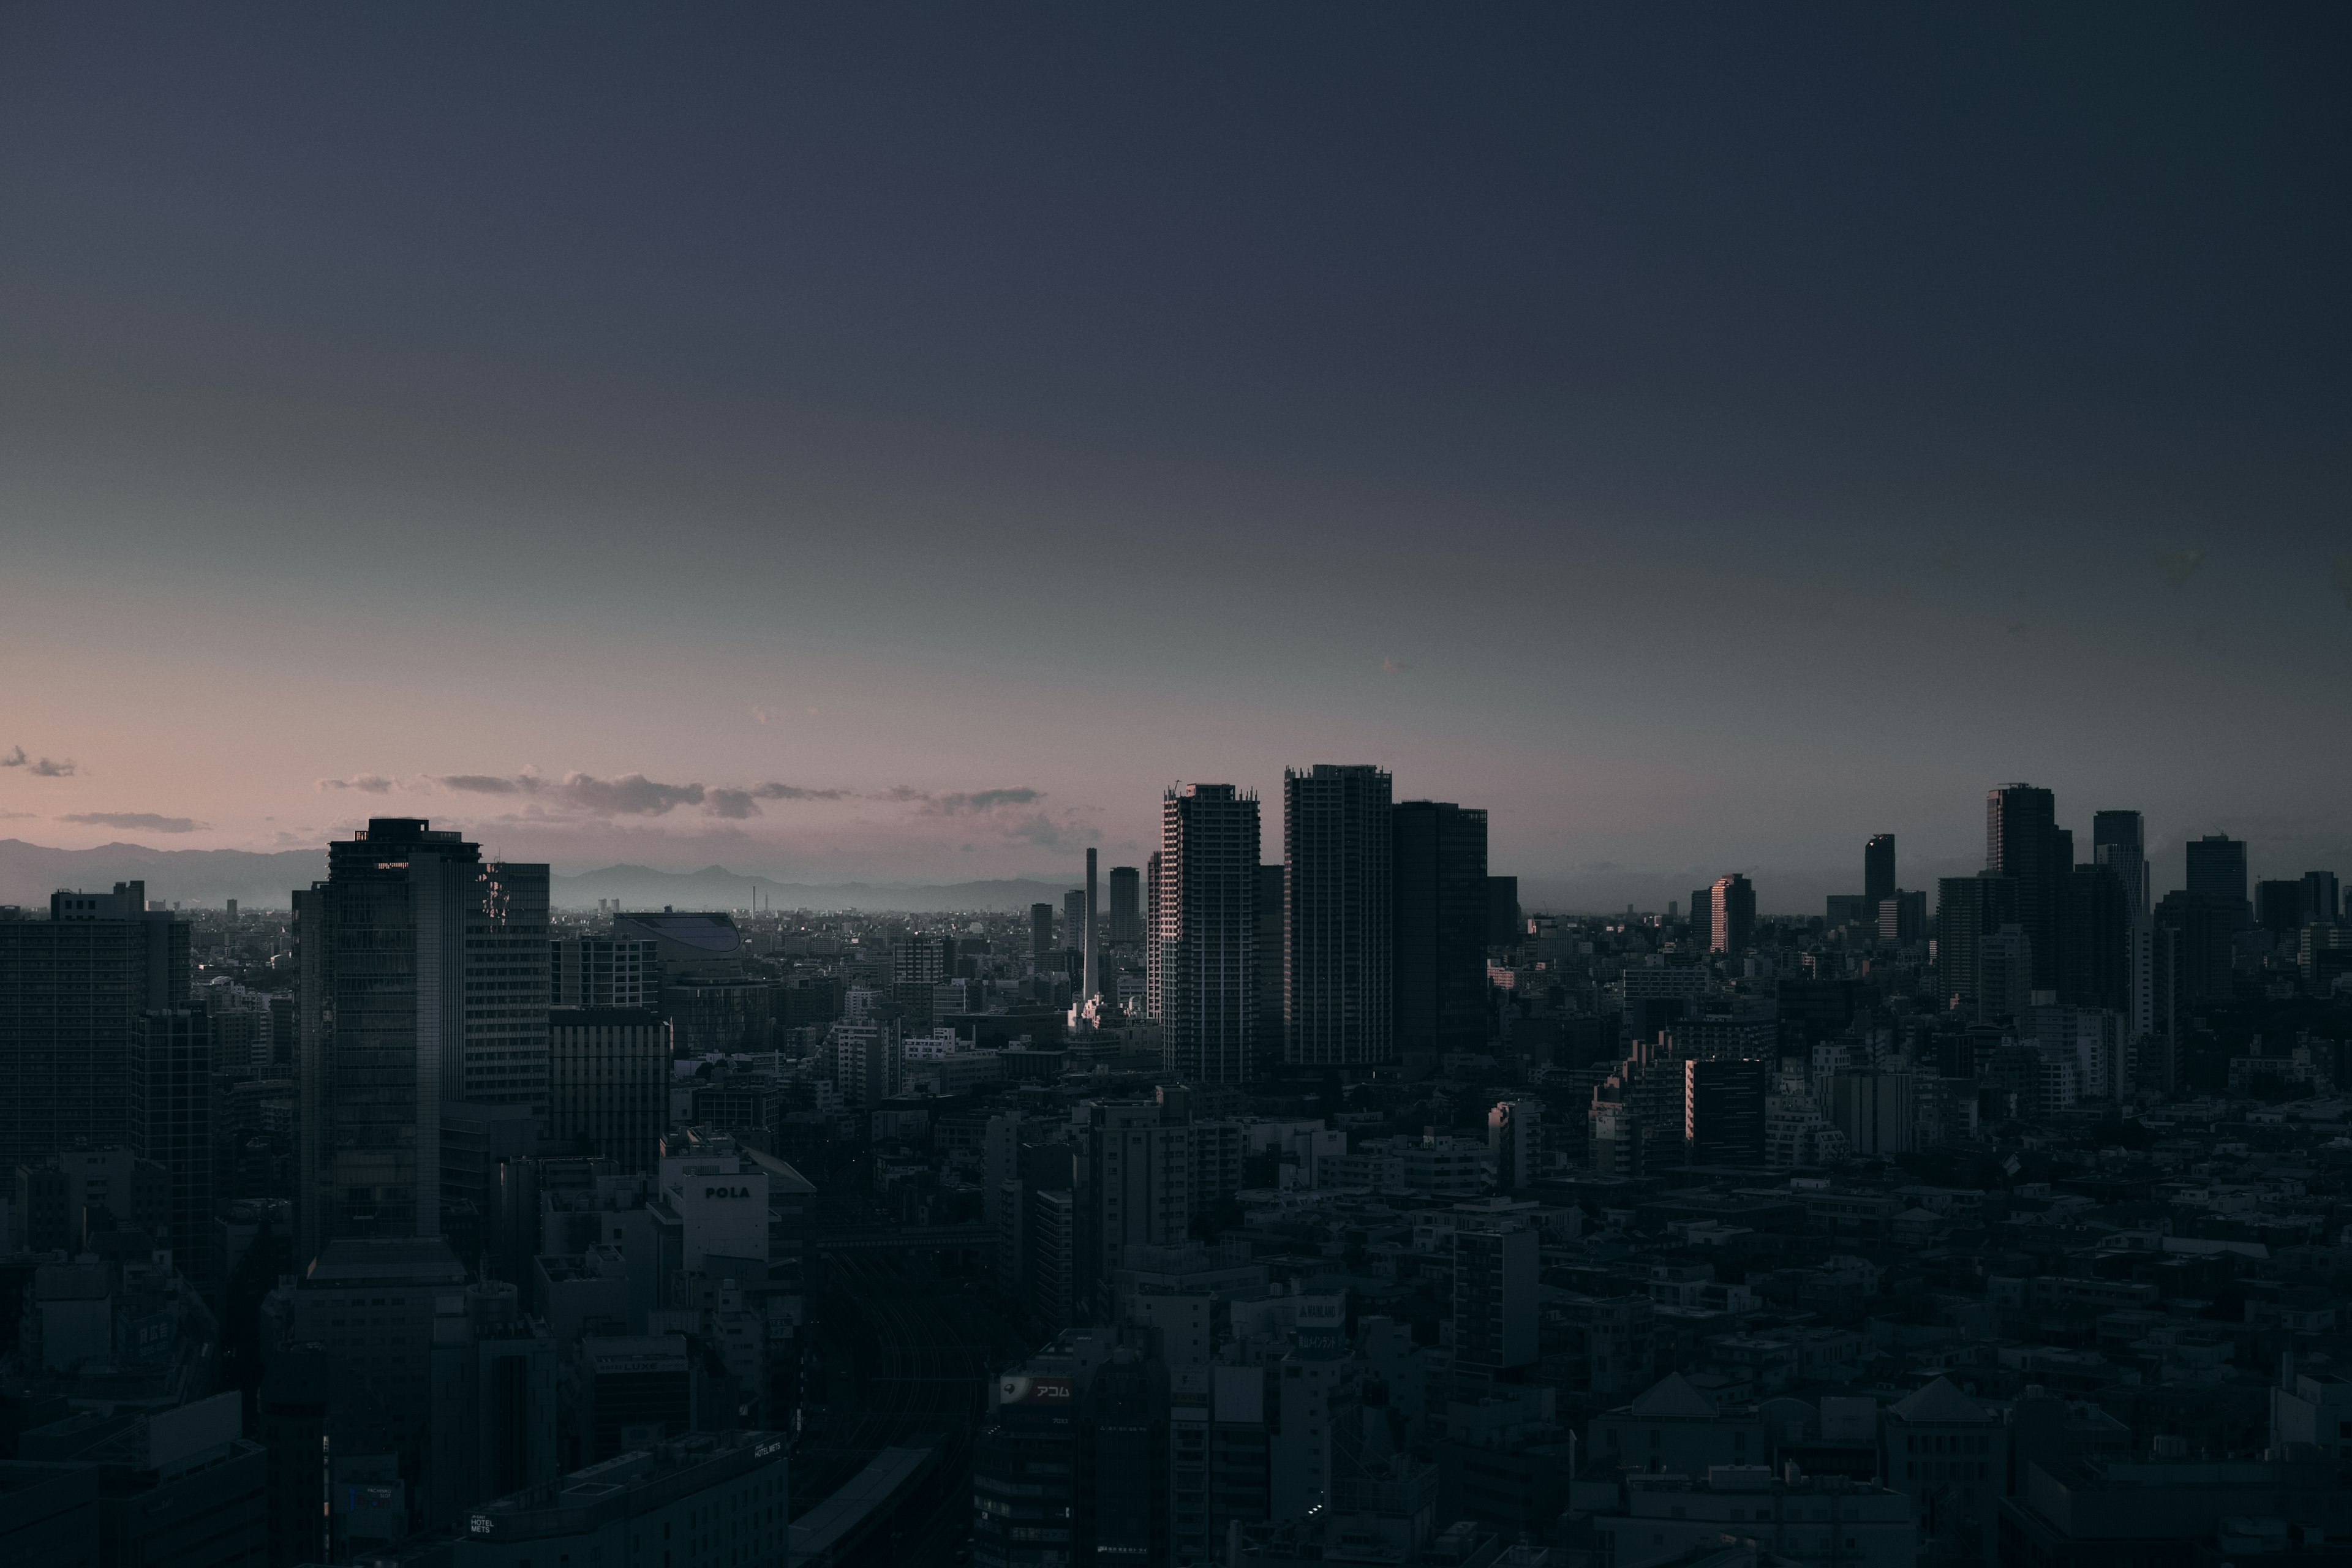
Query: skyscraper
[1439, 961]
[2217, 874]
[2320, 898]
[2119, 842]
[507, 989]
[381, 946]
[2024, 843]
[1073, 925]
[1967, 911]
[1878, 868]
[1339, 909]
[1090, 979]
[2095, 945]
[72, 989]
[1205, 934]
[1269, 964]
[1731, 910]
[1040, 930]
[1125, 910]
[1503, 929]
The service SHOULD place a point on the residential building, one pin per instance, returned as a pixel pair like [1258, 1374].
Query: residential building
[1439, 963]
[1205, 933]
[1338, 915]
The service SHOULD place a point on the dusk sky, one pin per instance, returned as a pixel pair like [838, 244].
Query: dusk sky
[895, 443]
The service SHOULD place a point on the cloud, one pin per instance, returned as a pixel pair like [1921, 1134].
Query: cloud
[483, 783]
[367, 784]
[631, 794]
[1393, 666]
[732, 804]
[2179, 565]
[146, 819]
[40, 767]
[795, 792]
[971, 803]
[2341, 579]
[16, 816]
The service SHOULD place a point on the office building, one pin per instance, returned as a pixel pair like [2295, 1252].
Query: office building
[711, 1499]
[1126, 905]
[1137, 1182]
[2217, 874]
[1723, 1110]
[1731, 915]
[494, 1400]
[178, 1486]
[2278, 907]
[604, 972]
[1967, 911]
[72, 989]
[372, 1304]
[171, 1091]
[1878, 868]
[1091, 977]
[1206, 935]
[504, 1061]
[2005, 971]
[1495, 1279]
[1901, 919]
[1041, 932]
[1439, 957]
[1874, 1109]
[381, 946]
[1026, 1468]
[1503, 927]
[640, 1392]
[1269, 965]
[2200, 951]
[2024, 843]
[1338, 915]
[2322, 901]
[2119, 842]
[1073, 925]
[56, 1198]
[2094, 939]
[608, 1083]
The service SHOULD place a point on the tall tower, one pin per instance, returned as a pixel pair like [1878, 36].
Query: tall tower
[2023, 844]
[1440, 959]
[1338, 913]
[2217, 874]
[1126, 911]
[1731, 905]
[1041, 932]
[381, 945]
[1090, 984]
[1205, 933]
[1879, 870]
[2119, 842]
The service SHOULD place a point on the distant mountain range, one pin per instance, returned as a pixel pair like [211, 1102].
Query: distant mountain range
[29, 873]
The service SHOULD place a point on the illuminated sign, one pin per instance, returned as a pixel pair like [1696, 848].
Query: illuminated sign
[1017, 1389]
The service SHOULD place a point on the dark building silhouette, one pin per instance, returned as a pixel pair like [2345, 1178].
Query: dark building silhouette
[2025, 843]
[1969, 911]
[2119, 842]
[1269, 964]
[1125, 907]
[2201, 954]
[1503, 925]
[1040, 930]
[1723, 1110]
[2095, 936]
[608, 1074]
[1207, 933]
[72, 990]
[1878, 868]
[172, 1125]
[1440, 958]
[382, 950]
[1122, 1492]
[2278, 907]
[2321, 900]
[2217, 874]
[1025, 1474]
[1339, 909]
